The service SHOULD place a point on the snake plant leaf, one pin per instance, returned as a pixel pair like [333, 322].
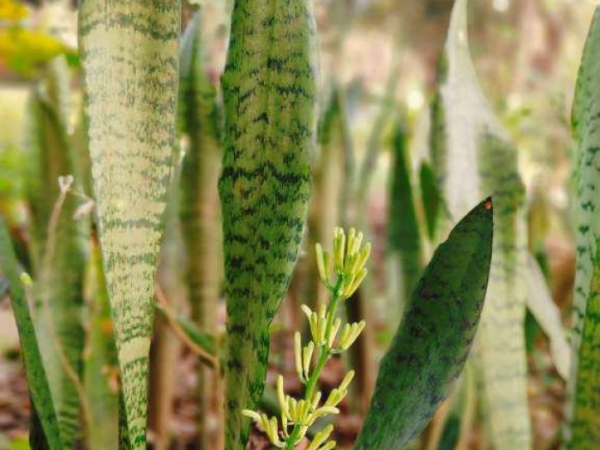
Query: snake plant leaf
[59, 248]
[404, 234]
[433, 341]
[130, 59]
[201, 114]
[431, 198]
[583, 413]
[582, 431]
[547, 314]
[269, 88]
[37, 379]
[478, 160]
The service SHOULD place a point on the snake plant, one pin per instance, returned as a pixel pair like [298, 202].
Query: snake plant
[129, 53]
[269, 91]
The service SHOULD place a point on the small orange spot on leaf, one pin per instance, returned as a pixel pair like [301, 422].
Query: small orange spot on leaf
[107, 327]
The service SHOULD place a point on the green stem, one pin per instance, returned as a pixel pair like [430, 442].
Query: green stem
[324, 354]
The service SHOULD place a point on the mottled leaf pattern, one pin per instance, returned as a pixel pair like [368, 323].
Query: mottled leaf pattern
[473, 158]
[34, 368]
[130, 58]
[583, 406]
[433, 341]
[269, 92]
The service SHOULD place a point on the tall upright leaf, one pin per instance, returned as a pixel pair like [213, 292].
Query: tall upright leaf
[434, 339]
[404, 234]
[60, 245]
[37, 379]
[583, 407]
[473, 158]
[269, 91]
[201, 120]
[129, 53]
[430, 198]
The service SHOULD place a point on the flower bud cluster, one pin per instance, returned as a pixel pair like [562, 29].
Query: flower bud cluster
[346, 267]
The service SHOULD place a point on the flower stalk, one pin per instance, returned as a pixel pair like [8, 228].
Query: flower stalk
[341, 272]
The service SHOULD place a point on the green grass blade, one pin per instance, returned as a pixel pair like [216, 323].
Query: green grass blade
[583, 405]
[129, 53]
[34, 367]
[434, 339]
[269, 91]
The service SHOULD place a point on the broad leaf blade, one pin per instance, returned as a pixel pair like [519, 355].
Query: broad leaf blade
[583, 406]
[269, 91]
[435, 336]
[34, 368]
[130, 60]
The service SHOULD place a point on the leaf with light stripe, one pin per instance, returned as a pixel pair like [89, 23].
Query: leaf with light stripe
[269, 91]
[434, 339]
[474, 158]
[129, 52]
[582, 418]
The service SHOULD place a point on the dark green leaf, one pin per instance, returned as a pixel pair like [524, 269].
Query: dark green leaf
[435, 336]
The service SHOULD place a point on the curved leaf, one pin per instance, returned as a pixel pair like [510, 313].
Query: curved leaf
[435, 336]
[130, 61]
[269, 91]
[547, 314]
[39, 388]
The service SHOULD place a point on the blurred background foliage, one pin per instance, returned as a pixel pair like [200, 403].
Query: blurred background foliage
[378, 76]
